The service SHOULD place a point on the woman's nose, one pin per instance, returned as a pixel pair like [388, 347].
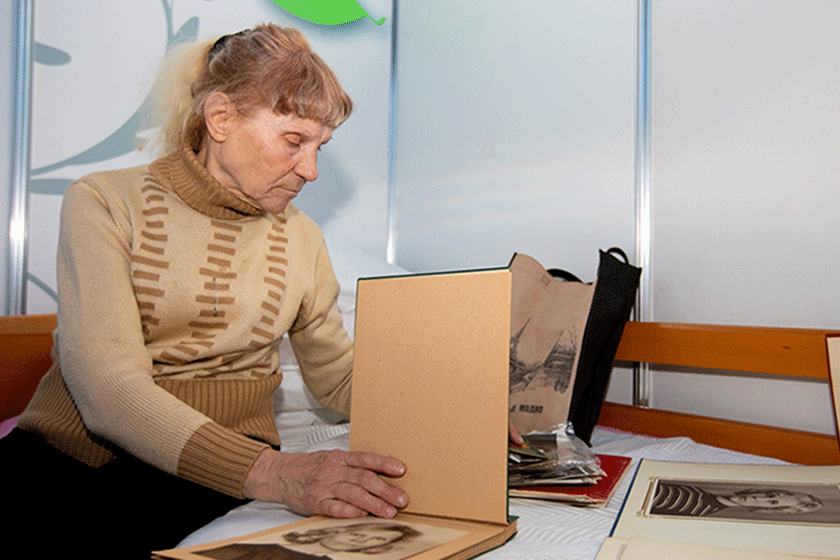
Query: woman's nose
[307, 167]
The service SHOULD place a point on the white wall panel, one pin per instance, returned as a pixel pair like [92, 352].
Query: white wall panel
[745, 175]
[515, 133]
[515, 129]
[746, 162]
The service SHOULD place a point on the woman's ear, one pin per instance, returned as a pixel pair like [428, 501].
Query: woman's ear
[220, 116]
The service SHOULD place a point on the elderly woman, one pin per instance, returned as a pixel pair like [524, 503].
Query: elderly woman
[177, 281]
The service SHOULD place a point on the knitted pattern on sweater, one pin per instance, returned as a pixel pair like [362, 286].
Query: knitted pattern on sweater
[174, 295]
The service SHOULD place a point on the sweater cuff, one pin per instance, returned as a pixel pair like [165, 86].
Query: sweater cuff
[219, 458]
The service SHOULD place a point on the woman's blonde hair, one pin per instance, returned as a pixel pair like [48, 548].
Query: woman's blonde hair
[265, 67]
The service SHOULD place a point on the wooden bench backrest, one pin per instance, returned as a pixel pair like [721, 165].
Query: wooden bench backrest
[25, 344]
[775, 351]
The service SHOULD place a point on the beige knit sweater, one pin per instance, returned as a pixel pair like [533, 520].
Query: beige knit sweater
[173, 297]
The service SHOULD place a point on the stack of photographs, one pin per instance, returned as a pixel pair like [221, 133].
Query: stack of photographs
[540, 462]
[541, 470]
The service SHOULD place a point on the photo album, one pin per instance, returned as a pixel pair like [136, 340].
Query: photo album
[722, 511]
[430, 387]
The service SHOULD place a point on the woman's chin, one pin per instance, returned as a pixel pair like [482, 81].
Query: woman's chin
[275, 205]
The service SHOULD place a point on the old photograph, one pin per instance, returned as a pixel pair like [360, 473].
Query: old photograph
[745, 501]
[339, 539]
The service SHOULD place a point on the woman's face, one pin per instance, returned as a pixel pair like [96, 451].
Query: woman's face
[771, 499]
[360, 539]
[265, 159]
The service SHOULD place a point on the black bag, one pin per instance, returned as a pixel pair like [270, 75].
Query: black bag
[612, 302]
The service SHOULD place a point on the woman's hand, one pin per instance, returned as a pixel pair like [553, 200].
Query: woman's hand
[332, 483]
[514, 436]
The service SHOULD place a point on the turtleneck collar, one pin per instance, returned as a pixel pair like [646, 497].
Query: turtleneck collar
[190, 180]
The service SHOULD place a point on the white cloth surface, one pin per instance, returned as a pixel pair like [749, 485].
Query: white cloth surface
[545, 529]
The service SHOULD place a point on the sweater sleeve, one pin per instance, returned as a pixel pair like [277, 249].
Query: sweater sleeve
[106, 365]
[323, 348]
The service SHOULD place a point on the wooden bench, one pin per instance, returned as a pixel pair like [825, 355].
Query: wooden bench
[789, 352]
[25, 343]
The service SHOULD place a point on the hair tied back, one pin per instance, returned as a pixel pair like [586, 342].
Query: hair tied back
[221, 41]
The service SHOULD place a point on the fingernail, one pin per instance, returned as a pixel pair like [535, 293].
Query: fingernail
[390, 511]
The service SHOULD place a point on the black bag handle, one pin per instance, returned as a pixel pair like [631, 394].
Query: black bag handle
[569, 277]
[563, 275]
[618, 251]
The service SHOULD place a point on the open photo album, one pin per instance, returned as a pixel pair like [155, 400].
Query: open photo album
[728, 511]
[430, 387]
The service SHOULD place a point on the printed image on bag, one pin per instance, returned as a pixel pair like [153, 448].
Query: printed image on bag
[548, 320]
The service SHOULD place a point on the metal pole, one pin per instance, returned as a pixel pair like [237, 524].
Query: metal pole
[21, 111]
[391, 242]
[642, 383]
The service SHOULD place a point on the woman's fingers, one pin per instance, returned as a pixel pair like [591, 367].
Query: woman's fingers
[360, 501]
[367, 464]
[340, 509]
[513, 434]
[357, 484]
[375, 462]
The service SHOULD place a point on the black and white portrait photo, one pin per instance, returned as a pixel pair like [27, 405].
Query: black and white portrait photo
[339, 539]
[776, 502]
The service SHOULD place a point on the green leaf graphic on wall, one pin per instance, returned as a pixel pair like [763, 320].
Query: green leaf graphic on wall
[327, 12]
